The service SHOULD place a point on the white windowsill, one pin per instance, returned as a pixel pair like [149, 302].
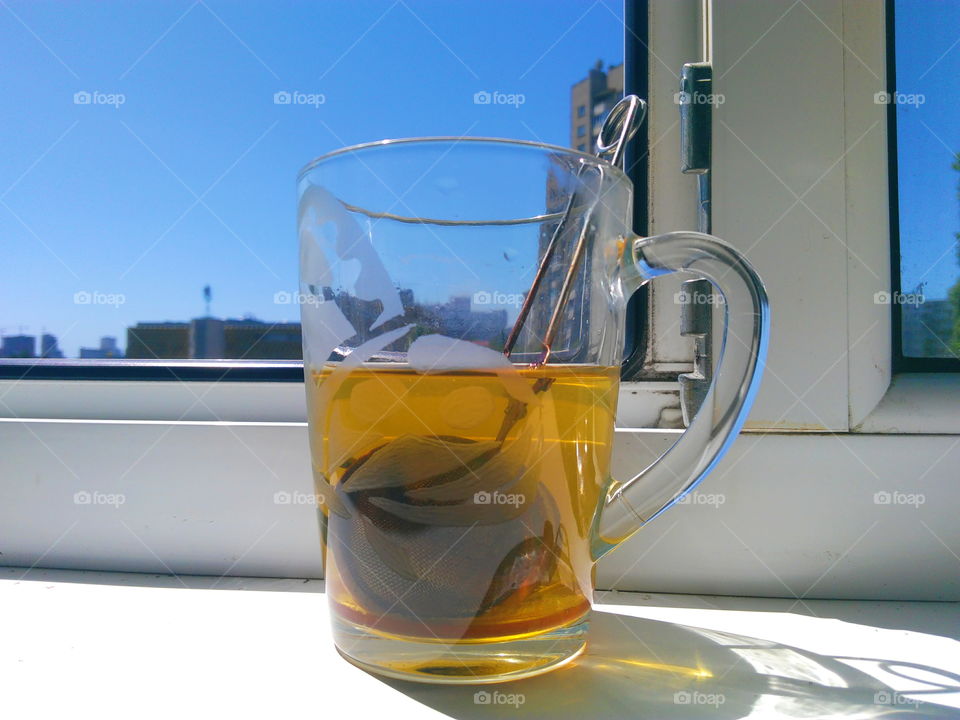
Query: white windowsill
[917, 403]
[641, 403]
[122, 645]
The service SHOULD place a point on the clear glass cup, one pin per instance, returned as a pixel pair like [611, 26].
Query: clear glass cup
[463, 304]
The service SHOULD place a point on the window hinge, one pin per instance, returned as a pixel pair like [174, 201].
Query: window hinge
[696, 126]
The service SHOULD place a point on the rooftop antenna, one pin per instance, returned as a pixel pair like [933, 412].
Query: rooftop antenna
[207, 296]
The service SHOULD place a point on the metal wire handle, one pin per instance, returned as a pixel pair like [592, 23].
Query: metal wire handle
[622, 122]
[620, 125]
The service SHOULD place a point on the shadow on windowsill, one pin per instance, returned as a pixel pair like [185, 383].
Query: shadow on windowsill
[637, 667]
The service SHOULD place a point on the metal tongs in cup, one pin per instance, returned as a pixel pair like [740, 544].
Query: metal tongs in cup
[621, 124]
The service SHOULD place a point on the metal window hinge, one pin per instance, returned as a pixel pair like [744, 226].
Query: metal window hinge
[696, 126]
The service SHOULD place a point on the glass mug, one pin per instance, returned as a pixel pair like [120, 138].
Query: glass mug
[463, 306]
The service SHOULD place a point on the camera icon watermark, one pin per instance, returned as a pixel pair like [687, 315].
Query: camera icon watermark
[899, 98]
[883, 297]
[85, 297]
[495, 297]
[295, 97]
[892, 697]
[282, 297]
[684, 297]
[693, 697]
[485, 697]
[95, 497]
[699, 498]
[699, 98]
[282, 497]
[495, 97]
[86, 97]
[895, 497]
[498, 498]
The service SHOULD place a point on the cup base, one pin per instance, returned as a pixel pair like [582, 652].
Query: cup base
[460, 663]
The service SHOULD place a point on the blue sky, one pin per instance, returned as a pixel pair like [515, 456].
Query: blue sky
[103, 198]
[928, 64]
[191, 180]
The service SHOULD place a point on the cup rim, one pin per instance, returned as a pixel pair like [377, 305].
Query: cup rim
[594, 159]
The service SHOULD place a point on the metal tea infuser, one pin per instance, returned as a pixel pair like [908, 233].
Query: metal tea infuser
[620, 126]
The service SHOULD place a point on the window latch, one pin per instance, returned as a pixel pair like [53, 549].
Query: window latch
[696, 319]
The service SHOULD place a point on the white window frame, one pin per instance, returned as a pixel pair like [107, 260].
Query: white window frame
[196, 460]
[830, 367]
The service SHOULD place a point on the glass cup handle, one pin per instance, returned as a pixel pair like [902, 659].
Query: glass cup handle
[630, 505]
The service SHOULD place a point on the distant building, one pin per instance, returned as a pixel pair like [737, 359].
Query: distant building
[252, 339]
[210, 338]
[18, 346]
[591, 100]
[455, 318]
[207, 338]
[48, 346]
[108, 349]
[568, 342]
[458, 319]
[163, 341]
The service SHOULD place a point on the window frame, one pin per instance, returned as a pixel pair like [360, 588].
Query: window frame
[207, 456]
[73, 369]
[658, 353]
[868, 391]
[232, 370]
[232, 390]
[901, 363]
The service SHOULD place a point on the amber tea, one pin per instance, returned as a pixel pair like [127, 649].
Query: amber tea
[458, 504]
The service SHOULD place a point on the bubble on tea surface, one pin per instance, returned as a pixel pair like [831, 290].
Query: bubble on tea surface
[467, 407]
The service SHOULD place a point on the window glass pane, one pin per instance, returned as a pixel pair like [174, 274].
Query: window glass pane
[928, 142]
[147, 182]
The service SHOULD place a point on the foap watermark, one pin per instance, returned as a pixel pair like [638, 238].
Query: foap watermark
[95, 497]
[283, 297]
[699, 498]
[484, 97]
[892, 697]
[485, 697]
[684, 297]
[883, 297]
[895, 497]
[693, 697]
[699, 98]
[484, 297]
[498, 498]
[282, 497]
[85, 97]
[899, 98]
[86, 297]
[295, 97]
